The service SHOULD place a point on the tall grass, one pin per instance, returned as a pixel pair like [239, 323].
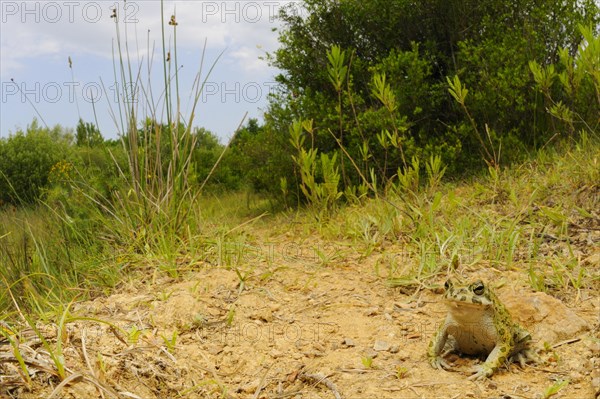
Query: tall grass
[158, 196]
[80, 237]
[45, 259]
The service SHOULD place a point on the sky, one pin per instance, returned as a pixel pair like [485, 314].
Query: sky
[38, 38]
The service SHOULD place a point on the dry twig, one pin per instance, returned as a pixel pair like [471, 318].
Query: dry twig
[321, 379]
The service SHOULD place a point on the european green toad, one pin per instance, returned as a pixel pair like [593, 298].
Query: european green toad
[478, 323]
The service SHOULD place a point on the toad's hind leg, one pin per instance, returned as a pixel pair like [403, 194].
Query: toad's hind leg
[494, 360]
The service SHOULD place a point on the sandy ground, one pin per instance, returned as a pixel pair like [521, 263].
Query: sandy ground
[299, 328]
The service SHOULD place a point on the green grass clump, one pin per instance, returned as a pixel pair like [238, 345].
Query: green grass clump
[527, 217]
[45, 259]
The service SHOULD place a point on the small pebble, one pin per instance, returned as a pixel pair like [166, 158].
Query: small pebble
[371, 353]
[276, 353]
[381, 346]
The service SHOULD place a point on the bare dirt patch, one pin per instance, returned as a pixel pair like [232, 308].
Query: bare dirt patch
[286, 325]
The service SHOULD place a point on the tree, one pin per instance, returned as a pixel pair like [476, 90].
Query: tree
[206, 153]
[87, 134]
[259, 158]
[416, 45]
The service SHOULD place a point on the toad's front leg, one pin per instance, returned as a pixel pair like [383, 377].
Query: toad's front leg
[436, 345]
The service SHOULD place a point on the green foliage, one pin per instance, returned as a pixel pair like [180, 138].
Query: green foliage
[44, 254]
[319, 178]
[258, 158]
[376, 73]
[571, 86]
[408, 178]
[555, 388]
[206, 153]
[435, 171]
[382, 91]
[27, 160]
[456, 89]
[87, 134]
[459, 93]
[336, 68]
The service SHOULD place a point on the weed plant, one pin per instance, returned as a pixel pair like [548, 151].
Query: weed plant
[81, 237]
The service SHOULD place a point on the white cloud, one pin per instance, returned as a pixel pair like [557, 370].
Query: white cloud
[248, 58]
[35, 45]
[34, 29]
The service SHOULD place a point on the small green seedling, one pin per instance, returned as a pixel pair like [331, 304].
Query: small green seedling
[164, 296]
[401, 372]
[555, 388]
[133, 335]
[230, 316]
[367, 361]
[242, 278]
[170, 343]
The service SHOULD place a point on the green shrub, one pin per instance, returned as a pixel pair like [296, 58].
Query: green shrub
[259, 157]
[27, 160]
[416, 46]
[87, 134]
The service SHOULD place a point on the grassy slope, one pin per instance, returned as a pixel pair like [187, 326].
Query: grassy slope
[539, 219]
[505, 218]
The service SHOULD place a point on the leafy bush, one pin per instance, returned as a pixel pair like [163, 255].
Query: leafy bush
[27, 160]
[410, 48]
[206, 155]
[571, 87]
[260, 158]
[87, 134]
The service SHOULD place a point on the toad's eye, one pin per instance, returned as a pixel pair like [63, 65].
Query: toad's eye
[478, 288]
